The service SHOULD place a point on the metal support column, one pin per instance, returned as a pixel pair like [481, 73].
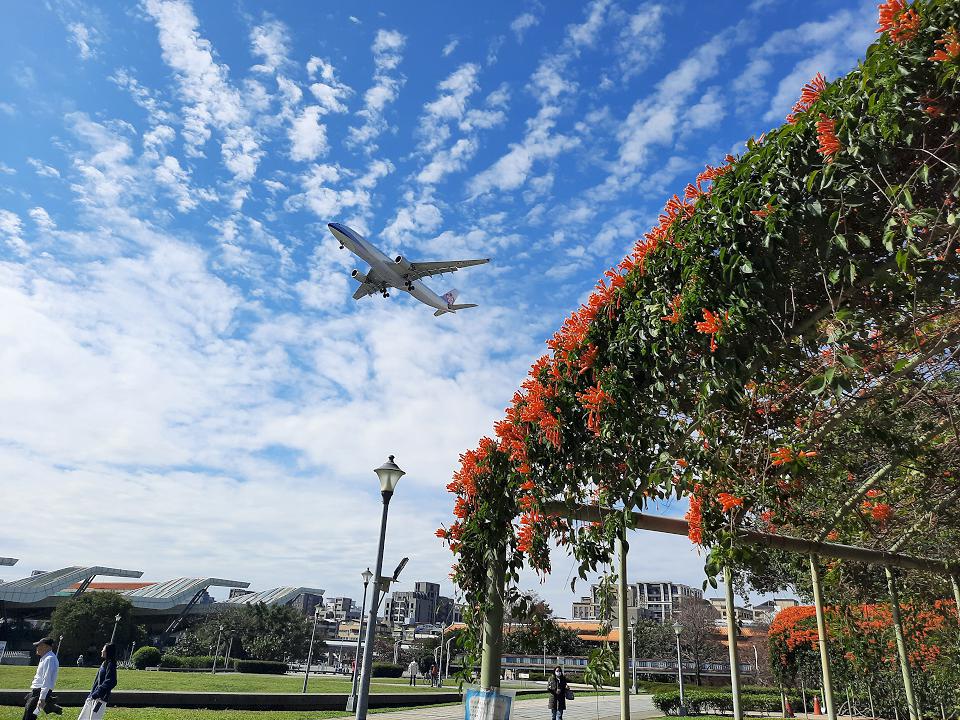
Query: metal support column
[621, 549]
[956, 591]
[493, 621]
[901, 646]
[822, 633]
[732, 643]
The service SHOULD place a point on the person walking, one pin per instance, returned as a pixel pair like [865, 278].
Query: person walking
[434, 676]
[105, 681]
[557, 689]
[41, 689]
[80, 660]
[413, 668]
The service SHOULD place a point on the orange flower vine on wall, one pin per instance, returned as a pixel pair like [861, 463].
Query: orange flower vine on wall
[950, 47]
[594, 399]
[809, 94]
[902, 24]
[728, 501]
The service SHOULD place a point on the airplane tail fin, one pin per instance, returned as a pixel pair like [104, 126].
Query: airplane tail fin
[450, 297]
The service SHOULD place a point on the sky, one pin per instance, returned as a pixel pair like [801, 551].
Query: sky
[187, 387]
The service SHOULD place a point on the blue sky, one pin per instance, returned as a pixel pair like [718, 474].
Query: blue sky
[188, 387]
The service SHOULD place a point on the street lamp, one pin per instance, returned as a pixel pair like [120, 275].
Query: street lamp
[677, 629]
[306, 673]
[389, 475]
[116, 621]
[352, 700]
[633, 654]
[216, 652]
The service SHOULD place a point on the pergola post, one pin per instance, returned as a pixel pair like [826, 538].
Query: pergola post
[493, 620]
[956, 591]
[901, 646]
[621, 548]
[822, 633]
[732, 643]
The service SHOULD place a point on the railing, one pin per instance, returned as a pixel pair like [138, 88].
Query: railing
[659, 667]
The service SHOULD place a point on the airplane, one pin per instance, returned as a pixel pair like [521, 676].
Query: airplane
[400, 273]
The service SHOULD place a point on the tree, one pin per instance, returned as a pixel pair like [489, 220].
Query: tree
[260, 632]
[654, 641]
[698, 640]
[544, 632]
[86, 623]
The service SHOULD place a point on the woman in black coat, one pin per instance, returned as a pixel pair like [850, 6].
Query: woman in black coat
[106, 680]
[557, 688]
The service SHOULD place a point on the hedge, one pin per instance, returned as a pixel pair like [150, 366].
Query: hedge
[146, 656]
[387, 670]
[261, 667]
[192, 662]
[699, 702]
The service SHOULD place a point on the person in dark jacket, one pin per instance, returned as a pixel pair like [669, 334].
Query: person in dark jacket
[557, 689]
[103, 684]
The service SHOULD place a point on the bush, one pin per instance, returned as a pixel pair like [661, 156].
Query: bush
[261, 667]
[388, 670]
[146, 656]
[699, 701]
[171, 661]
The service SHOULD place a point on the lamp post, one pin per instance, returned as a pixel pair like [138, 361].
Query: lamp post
[352, 700]
[306, 673]
[389, 475]
[544, 658]
[677, 629]
[116, 621]
[633, 654]
[756, 661]
[447, 673]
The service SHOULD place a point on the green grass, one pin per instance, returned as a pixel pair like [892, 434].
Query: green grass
[72, 678]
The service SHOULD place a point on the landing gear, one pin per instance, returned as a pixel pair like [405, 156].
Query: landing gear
[386, 294]
[408, 286]
[341, 247]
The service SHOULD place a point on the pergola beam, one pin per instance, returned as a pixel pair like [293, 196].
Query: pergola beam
[677, 526]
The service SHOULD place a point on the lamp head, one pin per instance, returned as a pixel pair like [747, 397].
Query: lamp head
[389, 474]
[677, 628]
[366, 575]
[117, 618]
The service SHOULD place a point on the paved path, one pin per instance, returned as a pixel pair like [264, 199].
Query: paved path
[641, 708]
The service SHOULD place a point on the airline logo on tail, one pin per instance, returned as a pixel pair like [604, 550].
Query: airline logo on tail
[451, 297]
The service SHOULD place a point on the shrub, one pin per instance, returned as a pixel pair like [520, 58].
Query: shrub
[171, 661]
[387, 670]
[261, 667]
[698, 701]
[198, 662]
[146, 656]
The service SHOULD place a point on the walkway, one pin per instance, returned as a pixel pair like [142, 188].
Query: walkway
[641, 708]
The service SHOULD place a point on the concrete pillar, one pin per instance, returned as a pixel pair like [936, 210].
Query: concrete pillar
[493, 621]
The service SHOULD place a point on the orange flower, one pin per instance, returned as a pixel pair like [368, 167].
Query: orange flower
[951, 47]
[711, 325]
[882, 513]
[764, 212]
[827, 136]
[694, 518]
[728, 501]
[682, 463]
[594, 399]
[674, 317]
[809, 94]
[442, 534]
[902, 24]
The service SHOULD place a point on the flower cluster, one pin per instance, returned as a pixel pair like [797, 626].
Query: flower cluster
[896, 19]
[827, 138]
[808, 96]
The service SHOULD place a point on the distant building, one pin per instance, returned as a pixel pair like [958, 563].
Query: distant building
[646, 600]
[761, 614]
[342, 609]
[239, 592]
[424, 605]
[307, 603]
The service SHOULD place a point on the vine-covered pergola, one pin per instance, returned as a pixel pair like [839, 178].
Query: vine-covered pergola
[781, 350]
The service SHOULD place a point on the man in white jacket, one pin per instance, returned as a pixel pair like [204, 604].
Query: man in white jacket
[413, 669]
[41, 689]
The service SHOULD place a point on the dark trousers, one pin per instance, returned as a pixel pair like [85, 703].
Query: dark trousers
[31, 700]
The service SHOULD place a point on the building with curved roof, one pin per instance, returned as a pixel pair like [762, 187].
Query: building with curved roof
[43, 589]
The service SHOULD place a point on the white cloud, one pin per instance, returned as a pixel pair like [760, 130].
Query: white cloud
[640, 39]
[142, 96]
[328, 91]
[512, 169]
[522, 23]
[387, 54]
[708, 111]
[42, 169]
[420, 218]
[271, 42]
[42, 218]
[450, 47]
[11, 229]
[8, 109]
[85, 38]
[6, 169]
[354, 19]
[308, 136]
[210, 101]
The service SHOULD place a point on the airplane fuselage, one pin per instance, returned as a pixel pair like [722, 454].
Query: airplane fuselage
[387, 272]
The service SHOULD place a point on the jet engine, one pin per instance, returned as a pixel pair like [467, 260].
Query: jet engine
[358, 276]
[402, 262]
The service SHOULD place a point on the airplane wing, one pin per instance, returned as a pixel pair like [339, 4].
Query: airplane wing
[364, 290]
[420, 270]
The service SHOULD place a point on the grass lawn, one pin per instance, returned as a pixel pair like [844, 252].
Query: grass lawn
[72, 678]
